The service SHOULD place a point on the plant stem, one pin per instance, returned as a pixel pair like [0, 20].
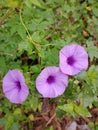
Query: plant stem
[29, 36]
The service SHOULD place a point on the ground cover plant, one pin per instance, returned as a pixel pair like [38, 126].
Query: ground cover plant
[48, 65]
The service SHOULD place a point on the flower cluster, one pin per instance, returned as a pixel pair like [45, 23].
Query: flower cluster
[53, 81]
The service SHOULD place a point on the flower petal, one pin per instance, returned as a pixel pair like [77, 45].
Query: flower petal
[13, 96]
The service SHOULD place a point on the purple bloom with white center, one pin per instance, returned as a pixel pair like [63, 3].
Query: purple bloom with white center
[51, 82]
[14, 87]
[73, 59]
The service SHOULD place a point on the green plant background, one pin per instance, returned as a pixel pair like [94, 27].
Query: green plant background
[31, 34]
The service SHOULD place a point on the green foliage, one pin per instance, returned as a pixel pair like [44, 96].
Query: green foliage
[51, 128]
[93, 126]
[92, 50]
[73, 109]
[31, 34]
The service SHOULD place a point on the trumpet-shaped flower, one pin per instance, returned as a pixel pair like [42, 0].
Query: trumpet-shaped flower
[73, 59]
[14, 87]
[51, 82]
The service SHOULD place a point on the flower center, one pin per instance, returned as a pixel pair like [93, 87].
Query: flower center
[18, 85]
[70, 60]
[50, 79]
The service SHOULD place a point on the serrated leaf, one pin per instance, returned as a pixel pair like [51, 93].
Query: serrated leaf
[25, 46]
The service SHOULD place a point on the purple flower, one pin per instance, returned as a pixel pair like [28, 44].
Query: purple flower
[73, 59]
[14, 87]
[51, 82]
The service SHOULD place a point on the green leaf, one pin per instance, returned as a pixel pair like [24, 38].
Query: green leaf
[25, 46]
[80, 110]
[35, 68]
[17, 111]
[92, 50]
[36, 2]
[69, 90]
[3, 121]
[14, 126]
[50, 128]
[22, 32]
[82, 75]
[95, 11]
[69, 108]
[92, 75]
[40, 52]
[34, 103]
[10, 120]
[72, 107]
[92, 125]
[60, 113]
[13, 3]
[3, 66]
[38, 36]
[87, 99]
